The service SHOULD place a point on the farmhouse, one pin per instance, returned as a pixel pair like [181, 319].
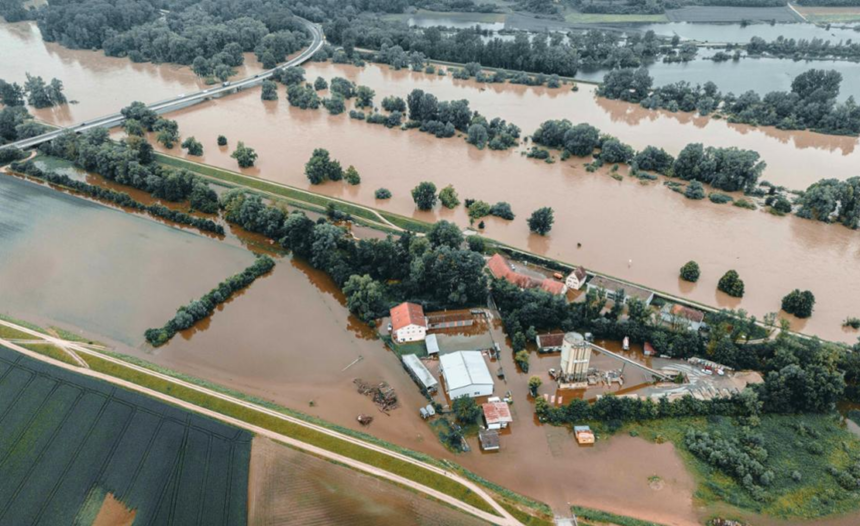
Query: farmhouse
[466, 374]
[497, 414]
[419, 372]
[408, 323]
[576, 279]
[676, 315]
[501, 269]
[613, 287]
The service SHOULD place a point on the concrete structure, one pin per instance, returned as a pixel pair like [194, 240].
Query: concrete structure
[612, 287]
[419, 372]
[549, 342]
[497, 414]
[676, 315]
[575, 357]
[576, 279]
[432, 344]
[500, 268]
[466, 374]
[489, 439]
[408, 323]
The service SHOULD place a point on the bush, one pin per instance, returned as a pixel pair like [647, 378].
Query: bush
[731, 284]
[799, 303]
[383, 193]
[690, 272]
[222, 141]
[466, 410]
[351, 176]
[719, 198]
[852, 322]
[503, 210]
[743, 203]
[448, 197]
[695, 190]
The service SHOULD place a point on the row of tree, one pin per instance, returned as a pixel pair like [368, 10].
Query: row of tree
[118, 198]
[39, 94]
[187, 315]
[803, 49]
[811, 103]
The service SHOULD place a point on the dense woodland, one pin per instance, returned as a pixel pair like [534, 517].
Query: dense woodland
[811, 103]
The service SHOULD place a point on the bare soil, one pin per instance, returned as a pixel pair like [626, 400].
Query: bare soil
[114, 513]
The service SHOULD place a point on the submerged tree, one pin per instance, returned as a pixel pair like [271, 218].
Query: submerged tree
[245, 156]
[541, 221]
[424, 195]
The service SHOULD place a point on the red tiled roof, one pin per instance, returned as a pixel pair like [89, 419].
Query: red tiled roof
[497, 412]
[688, 313]
[407, 314]
[552, 286]
[498, 266]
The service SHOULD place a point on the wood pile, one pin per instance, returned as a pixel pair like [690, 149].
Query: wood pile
[382, 394]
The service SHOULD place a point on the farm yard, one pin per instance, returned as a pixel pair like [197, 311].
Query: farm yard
[74, 450]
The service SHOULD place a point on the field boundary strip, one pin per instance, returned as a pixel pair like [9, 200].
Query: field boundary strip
[399, 468]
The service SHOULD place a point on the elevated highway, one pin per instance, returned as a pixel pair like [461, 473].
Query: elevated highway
[184, 100]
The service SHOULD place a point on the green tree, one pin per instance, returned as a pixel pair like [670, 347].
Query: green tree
[690, 271]
[799, 303]
[581, 140]
[222, 141]
[477, 135]
[223, 72]
[335, 104]
[466, 410]
[201, 67]
[168, 132]
[534, 383]
[382, 193]
[695, 191]
[364, 97]
[245, 156]
[193, 146]
[342, 87]
[351, 176]
[731, 284]
[522, 359]
[364, 296]
[476, 244]
[320, 84]
[424, 195]
[293, 75]
[443, 233]
[478, 209]
[320, 167]
[270, 90]
[394, 104]
[448, 197]
[541, 221]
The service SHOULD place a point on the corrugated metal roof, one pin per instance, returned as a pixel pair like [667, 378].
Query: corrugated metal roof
[432, 344]
[419, 370]
[464, 368]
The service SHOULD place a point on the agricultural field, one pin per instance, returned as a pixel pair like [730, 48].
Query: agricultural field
[74, 450]
[728, 14]
[576, 17]
[826, 15]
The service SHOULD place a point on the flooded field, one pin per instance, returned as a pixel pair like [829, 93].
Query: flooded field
[289, 487]
[69, 262]
[101, 85]
[615, 221]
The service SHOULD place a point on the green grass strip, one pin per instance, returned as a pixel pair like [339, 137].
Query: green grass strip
[52, 351]
[309, 436]
[609, 518]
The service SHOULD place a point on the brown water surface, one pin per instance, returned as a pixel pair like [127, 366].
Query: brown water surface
[642, 233]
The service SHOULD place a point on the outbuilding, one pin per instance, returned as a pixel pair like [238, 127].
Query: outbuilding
[497, 414]
[489, 439]
[466, 374]
[419, 372]
[432, 344]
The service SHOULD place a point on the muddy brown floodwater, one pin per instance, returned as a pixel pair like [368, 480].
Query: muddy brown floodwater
[642, 233]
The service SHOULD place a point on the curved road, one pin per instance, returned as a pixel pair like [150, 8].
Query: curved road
[505, 518]
[115, 119]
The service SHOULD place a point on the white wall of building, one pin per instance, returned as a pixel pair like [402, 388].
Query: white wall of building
[411, 333]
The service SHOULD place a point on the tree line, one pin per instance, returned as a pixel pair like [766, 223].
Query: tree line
[187, 315]
[810, 105]
[804, 49]
[118, 198]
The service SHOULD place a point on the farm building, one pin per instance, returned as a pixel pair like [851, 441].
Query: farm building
[432, 344]
[497, 414]
[408, 323]
[575, 357]
[549, 342]
[419, 372]
[466, 374]
[500, 268]
[676, 315]
[489, 439]
[576, 279]
[613, 288]
[446, 320]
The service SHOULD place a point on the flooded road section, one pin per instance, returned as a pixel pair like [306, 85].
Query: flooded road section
[642, 233]
[102, 85]
[70, 262]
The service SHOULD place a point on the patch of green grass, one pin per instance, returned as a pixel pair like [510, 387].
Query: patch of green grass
[604, 517]
[789, 448]
[401, 349]
[827, 18]
[310, 436]
[8, 333]
[52, 351]
[22, 323]
[601, 18]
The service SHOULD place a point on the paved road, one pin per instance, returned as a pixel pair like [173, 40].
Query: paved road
[115, 119]
[506, 518]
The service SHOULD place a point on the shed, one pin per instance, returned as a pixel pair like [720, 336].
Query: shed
[419, 372]
[489, 439]
[550, 342]
[497, 415]
[432, 344]
[466, 374]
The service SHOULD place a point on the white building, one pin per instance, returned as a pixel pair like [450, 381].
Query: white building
[466, 374]
[576, 279]
[419, 372]
[432, 344]
[408, 323]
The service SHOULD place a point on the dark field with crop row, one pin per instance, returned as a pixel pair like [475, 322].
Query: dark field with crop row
[65, 437]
